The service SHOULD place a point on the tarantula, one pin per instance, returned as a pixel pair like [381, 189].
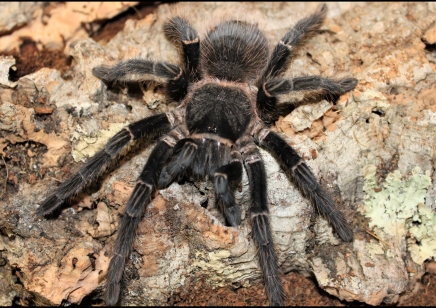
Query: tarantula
[227, 89]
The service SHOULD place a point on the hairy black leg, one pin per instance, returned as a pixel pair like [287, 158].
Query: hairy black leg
[225, 178]
[135, 208]
[294, 165]
[319, 88]
[325, 87]
[278, 86]
[260, 224]
[284, 50]
[184, 153]
[186, 150]
[180, 31]
[282, 55]
[97, 164]
[137, 70]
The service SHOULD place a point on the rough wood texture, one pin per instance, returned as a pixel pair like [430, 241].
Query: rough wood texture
[374, 152]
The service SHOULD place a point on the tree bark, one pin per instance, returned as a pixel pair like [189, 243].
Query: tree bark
[374, 152]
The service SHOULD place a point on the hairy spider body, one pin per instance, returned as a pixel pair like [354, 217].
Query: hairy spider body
[228, 117]
[228, 93]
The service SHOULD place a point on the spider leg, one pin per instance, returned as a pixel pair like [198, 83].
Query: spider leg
[260, 224]
[135, 208]
[178, 30]
[137, 70]
[325, 88]
[225, 177]
[200, 159]
[184, 154]
[96, 165]
[281, 57]
[186, 149]
[282, 54]
[278, 86]
[294, 165]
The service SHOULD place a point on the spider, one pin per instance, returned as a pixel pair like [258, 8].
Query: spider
[227, 88]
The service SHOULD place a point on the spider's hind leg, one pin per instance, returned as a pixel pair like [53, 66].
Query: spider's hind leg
[138, 70]
[318, 88]
[283, 52]
[326, 86]
[179, 31]
[270, 85]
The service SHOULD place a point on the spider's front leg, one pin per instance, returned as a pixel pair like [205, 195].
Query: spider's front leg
[135, 208]
[96, 165]
[294, 165]
[260, 225]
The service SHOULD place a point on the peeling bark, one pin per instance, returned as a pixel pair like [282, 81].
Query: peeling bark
[382, 132]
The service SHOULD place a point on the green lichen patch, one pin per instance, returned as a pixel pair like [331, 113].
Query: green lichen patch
[397, 208]
[422, 227]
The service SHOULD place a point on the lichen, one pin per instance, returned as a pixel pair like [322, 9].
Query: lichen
[397, 208]
[422, 227]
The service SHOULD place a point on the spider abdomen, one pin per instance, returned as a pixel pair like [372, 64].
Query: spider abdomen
[234, 51]
[217, 109]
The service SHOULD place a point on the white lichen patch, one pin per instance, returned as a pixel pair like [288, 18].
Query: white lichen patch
[89, 146]
[422, 228]
[397, 208]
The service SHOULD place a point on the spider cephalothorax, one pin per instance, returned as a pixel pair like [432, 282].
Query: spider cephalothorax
[227, 88]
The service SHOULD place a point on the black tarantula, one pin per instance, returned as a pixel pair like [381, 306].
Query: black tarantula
[227, 90]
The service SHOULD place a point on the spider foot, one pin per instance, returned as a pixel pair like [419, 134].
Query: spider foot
[233, 215]
[49, 205]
